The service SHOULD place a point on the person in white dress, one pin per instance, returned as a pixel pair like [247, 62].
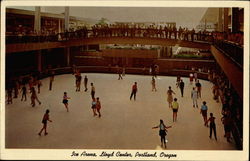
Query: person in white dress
[194, 96]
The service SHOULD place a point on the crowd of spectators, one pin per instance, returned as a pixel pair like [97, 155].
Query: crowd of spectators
[231, 111]
[229, 42]
[25, 35]
[124, 30]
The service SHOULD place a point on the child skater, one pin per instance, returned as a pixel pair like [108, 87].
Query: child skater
[44, 121]
[65, 101]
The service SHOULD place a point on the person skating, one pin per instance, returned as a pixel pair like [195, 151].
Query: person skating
[178, 80]
[175, 107]
[92, 90]
[65, 100]
[134, 91]
[162, 132]
[86, 83]
[119, 73]
[198, 86]
[44, 121]
[212, 126]
[98, 106]
[170, 93]
[182, 84]
[78, 82]
[204, 112]
[191, 78]
[194, 96]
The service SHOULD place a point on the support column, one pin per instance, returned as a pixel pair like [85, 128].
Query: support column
[166, 52]
[59, 26]
[158, 53]
[67, 52]
[37, 28]
[66, 19]
[205, 25]
[220, 20]
[171, 51]
[66, 28]
[37, 25]
[225, 19]
[235, 20]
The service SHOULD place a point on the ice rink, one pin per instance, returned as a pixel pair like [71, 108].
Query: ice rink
[125, 123]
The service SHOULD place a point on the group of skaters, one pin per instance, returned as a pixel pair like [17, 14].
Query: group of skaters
[19, 85]
[34, 83]
[195, 94]
[96, 104]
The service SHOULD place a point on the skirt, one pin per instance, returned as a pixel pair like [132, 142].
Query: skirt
[162, 133]
[65, 101]
[170, 98]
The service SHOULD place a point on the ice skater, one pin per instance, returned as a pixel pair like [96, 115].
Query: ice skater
[98, 106]
[134, 91]
[119, 73]
[182, 84]
[194, 96]
[175, 107]
[170, 93]
[198, 86]
[78, 82]
[212, 126]
[86, 83]
[92, 90]
[204, 112]
[191, 78]
[65, 100]
[162, 132]
[44, 121]
[178, 79]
